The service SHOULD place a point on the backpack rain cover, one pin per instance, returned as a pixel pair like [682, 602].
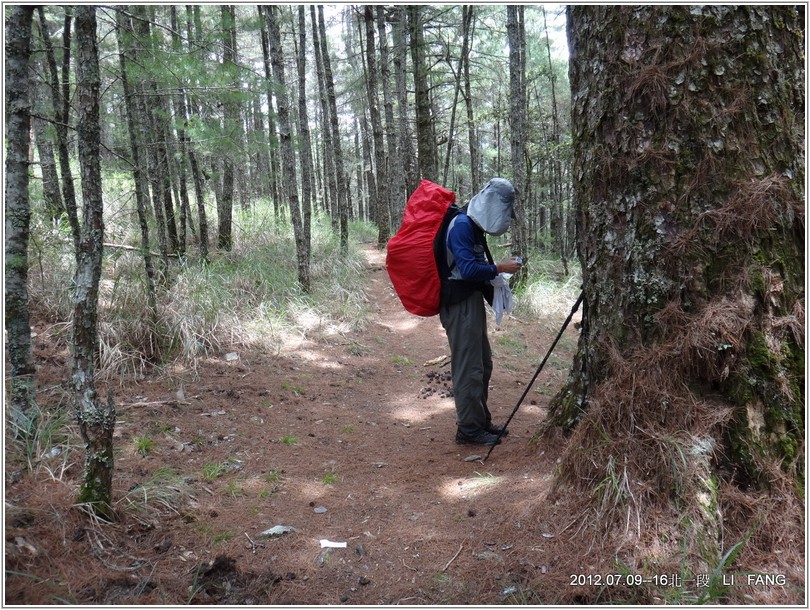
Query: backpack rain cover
[410, 260]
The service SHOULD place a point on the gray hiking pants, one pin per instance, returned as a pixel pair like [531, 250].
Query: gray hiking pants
[466, 326]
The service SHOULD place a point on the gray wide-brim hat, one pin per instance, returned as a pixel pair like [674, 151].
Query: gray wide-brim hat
[492, 208]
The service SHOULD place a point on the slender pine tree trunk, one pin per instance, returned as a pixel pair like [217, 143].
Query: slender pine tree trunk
[124, 33]
[23, 409]
[305, 154]
[342, 179]
[425, 140]
[407, 153]
[96, 419]
[289, 174]
[60, 93]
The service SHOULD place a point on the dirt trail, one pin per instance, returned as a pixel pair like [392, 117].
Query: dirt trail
[346, 438]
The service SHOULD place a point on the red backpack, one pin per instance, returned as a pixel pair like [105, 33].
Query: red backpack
[410, 260]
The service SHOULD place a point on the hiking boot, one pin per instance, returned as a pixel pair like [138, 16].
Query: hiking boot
[497, 430]
[482, 437]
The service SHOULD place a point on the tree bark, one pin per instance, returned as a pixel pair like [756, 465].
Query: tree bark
[560, 233]
[688, 146]
[379, 201]
[400, 68]
[457, 76]
[23, 409]
[179, 104]
[96, 419]
[148, 125]
[468, 19]
[199, 191]
[289, 174]
[61, 111]
[394, 195]
[342, 180]
[50, 177]
[124, 33]
[231, 119]
[305, 154]
[425, 141]
[516, 32]
[331, 196]
[272, 137]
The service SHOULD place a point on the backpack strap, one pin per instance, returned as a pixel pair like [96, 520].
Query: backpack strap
[454, 291]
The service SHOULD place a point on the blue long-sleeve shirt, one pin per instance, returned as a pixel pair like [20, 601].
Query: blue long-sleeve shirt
[469, 255]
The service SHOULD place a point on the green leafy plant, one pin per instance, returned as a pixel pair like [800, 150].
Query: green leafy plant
[288, 439]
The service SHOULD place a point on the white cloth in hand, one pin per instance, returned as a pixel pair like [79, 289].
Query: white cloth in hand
[502, 300]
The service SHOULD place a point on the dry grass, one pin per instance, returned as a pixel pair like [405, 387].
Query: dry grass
[754, 207]
[644, 458]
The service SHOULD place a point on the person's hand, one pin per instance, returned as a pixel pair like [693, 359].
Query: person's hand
[509, 265]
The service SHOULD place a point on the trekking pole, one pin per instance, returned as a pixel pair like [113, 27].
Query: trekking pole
[537, 372]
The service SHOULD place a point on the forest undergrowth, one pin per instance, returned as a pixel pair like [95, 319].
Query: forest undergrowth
[227, 428]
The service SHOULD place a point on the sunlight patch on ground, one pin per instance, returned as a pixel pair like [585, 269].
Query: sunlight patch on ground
[405, 324]
[310, 320]
[318, 359]
[482, 481]
[417, 411]
[460, 489]
[308, 491]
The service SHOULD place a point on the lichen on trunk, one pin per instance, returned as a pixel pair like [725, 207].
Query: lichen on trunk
[96, 419]
[688, 184]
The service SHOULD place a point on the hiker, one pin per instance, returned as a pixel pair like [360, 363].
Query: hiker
[462, 312]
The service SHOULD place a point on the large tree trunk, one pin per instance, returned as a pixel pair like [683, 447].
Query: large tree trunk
[688, 383]
[22, 397]
[96, 419]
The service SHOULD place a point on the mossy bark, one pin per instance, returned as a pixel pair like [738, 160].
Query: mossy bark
[23, 410]
[688, 183]
[96, 419]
